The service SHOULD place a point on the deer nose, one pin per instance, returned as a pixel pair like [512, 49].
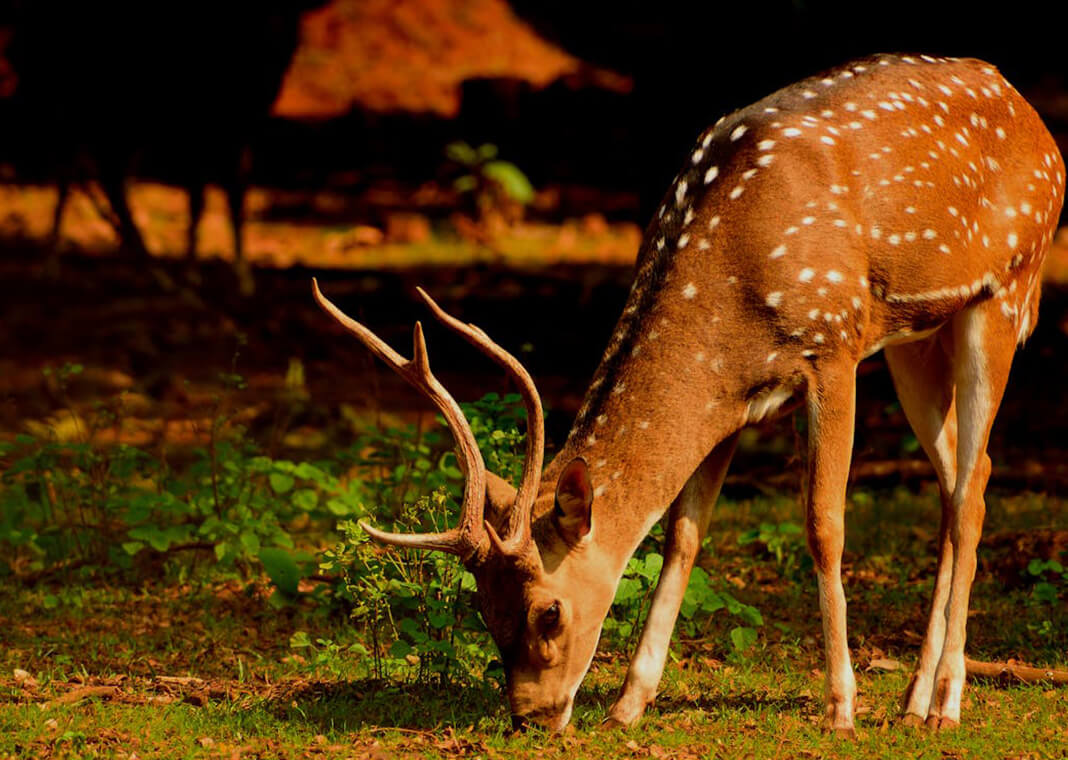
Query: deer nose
[519, 722]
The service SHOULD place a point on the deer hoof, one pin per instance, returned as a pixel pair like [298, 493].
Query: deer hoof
[627, 711]
[940, 723]
[847, 733]
[912, 720]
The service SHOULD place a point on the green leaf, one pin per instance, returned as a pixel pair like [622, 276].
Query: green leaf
[465, 184]
[280, 482]
[156, 538]
[299, 640]
[629, 588]
[338, 507]
[439, 620]
[743, 638]
[750, 615]
[514, 183]
[651, 567]
[250, 541]
[306, 471]
[461, 153]
[281, 568]
[1045, 592]
[132, 547]
[305, 499]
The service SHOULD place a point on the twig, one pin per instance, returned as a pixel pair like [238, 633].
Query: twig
[85, 692]
[181, 680]
[31, 579]
[387, 729]
[1012, 673]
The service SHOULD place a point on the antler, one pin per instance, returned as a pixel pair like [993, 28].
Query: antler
[518, 534]
[466, 538]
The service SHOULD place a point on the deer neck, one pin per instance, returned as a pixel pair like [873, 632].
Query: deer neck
[676, 380]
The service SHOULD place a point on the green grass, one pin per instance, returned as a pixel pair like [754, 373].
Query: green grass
[261, 698]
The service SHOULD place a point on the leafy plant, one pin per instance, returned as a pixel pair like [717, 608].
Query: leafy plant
[1050, 578]
[76, 502]
[66, 502]
[493, 185]
[418, 609]
[700, 601]
[782, 542]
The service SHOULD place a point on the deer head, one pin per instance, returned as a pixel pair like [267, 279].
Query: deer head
[544, 587]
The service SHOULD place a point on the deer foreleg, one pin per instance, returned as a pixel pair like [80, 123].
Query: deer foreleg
[831, 409]
[688, 523]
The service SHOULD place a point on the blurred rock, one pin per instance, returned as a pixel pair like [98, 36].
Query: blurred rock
[594, 224]
[359, 236]
[407, 228]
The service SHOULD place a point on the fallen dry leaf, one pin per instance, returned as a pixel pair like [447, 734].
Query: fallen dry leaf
[85, 692]
[884, 663]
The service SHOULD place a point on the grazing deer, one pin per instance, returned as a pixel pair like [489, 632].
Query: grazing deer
[902, 203]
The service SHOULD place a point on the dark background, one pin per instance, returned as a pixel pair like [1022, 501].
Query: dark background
[597, 102]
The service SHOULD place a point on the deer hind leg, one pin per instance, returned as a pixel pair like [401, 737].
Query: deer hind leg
[688, 523]
[831, 409]
[923, 377]
[983, 345]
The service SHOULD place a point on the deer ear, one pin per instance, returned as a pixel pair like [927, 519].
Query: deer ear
[500, 498]
[574, 500]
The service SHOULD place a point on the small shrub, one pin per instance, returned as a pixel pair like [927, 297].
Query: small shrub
[1050, 577]
[496, 188]
[700, 601]
[784, 543]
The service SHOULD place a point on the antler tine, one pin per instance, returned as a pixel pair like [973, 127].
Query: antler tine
[467, 537]
[518, 534]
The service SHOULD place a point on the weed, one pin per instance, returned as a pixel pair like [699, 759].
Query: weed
[782, 542]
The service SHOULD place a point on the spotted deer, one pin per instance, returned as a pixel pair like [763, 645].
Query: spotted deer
[897, 203]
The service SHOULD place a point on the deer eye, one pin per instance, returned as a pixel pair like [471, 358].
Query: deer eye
[550, 618]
